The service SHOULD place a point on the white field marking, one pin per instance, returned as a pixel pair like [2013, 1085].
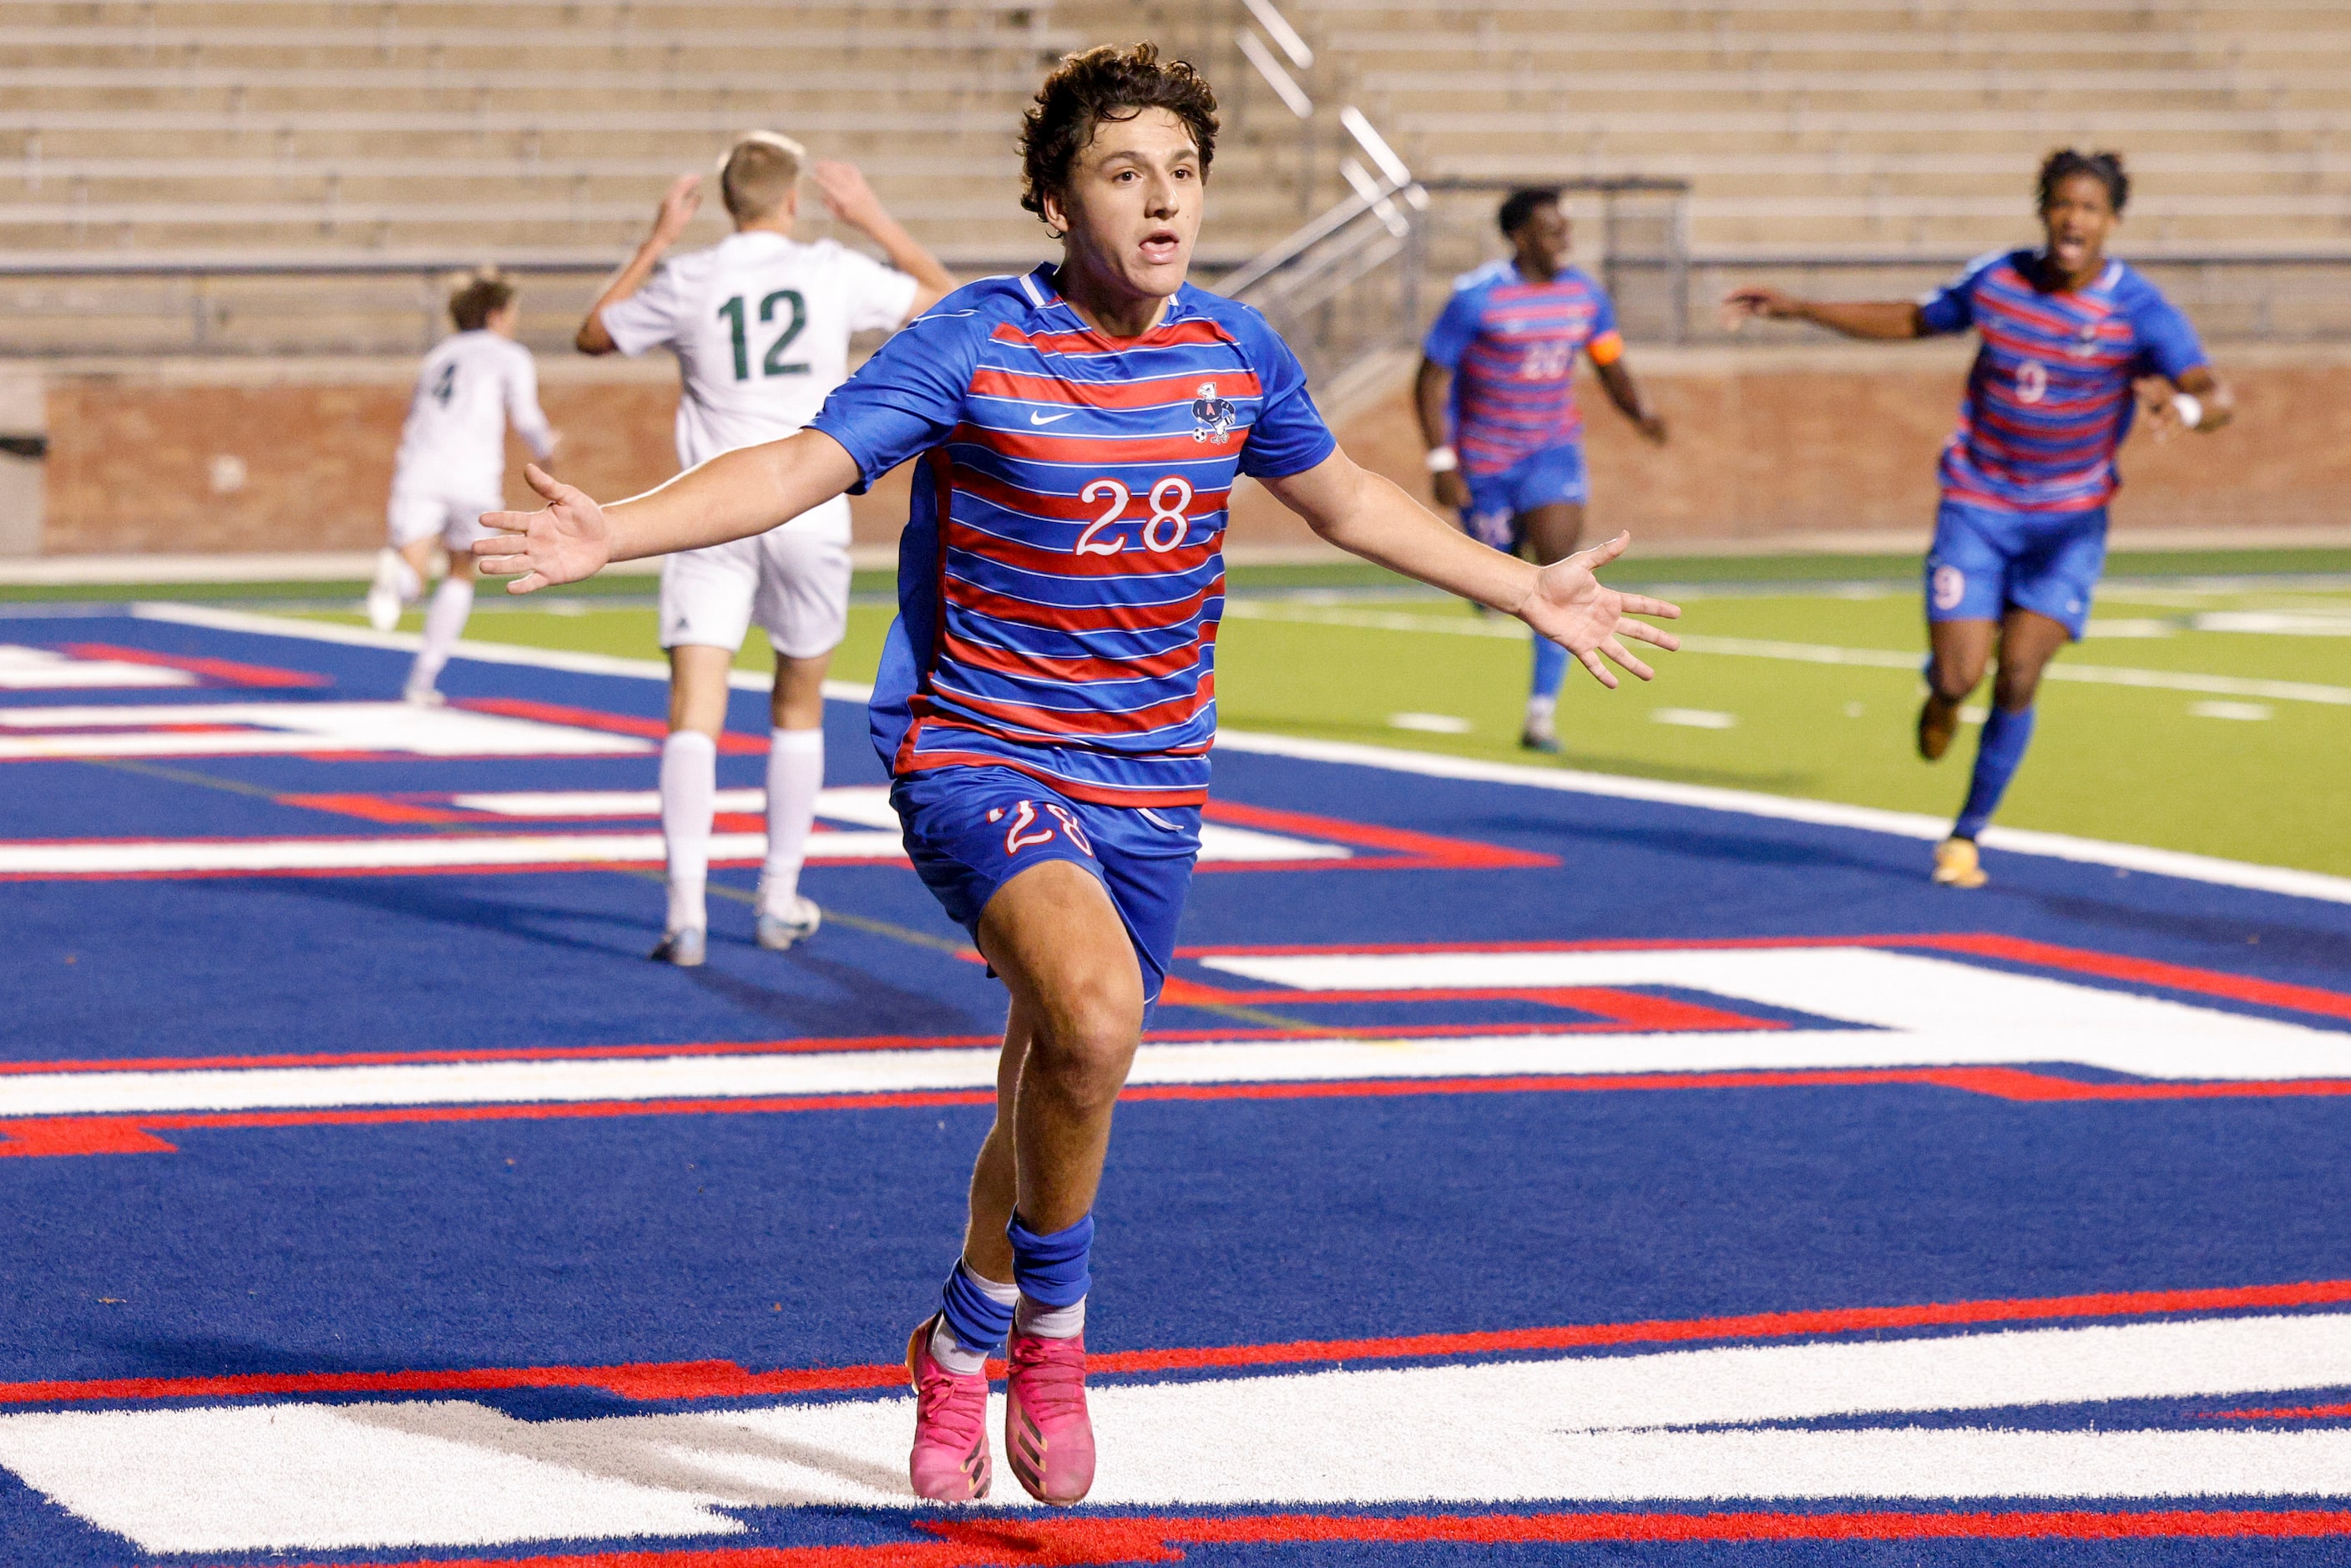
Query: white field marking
[24, 669]
[1430, 723]
[1576, 1429]
[481, 653]
[1930, 1009]
[430, 851]
[2125, 627]
[1910, 1011]
[276, 728]
[2248, 712]
[1806, 653]
[413, 852]
[1694, 718]
[2283, 880]
[1974, 713]
[2274, 624]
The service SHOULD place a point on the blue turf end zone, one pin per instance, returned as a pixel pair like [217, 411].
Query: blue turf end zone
[1656, 1094]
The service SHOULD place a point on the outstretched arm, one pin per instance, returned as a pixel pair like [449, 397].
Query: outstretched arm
[1883, 320]
[670, 219]
[734, 495]
[1368, 516]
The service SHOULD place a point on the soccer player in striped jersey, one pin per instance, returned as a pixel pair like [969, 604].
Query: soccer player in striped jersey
[1496, 395]
[1046, 699]
[2068, 334]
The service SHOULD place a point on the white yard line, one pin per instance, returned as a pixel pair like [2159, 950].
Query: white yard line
[1826, 813]
[1801, 652]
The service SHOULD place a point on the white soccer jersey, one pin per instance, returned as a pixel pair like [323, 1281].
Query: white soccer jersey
[760, 324]
[455, 443]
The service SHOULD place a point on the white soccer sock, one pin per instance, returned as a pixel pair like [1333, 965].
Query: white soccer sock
[948, 1350]
[795, 773]
[689, 790]
[1049, 1323]
[444, 622]
[1541, 707]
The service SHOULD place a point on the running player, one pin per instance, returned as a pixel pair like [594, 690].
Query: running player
[2021, 536]
[1045, 702]
[451, 468]
[1496, 395]
[760, 324]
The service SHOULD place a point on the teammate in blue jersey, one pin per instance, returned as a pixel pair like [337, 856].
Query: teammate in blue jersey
[1046, 699]
[2068, 335]
[1496, 396]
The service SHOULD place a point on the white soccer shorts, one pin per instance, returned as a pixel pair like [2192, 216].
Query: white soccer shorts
[793, 581]
[415, 514]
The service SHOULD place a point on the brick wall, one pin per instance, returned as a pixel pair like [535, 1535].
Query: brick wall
[206, 456]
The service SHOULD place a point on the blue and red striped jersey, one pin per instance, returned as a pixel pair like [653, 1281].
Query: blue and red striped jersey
[1511, 344]
[1061, 575]
[2049, 400]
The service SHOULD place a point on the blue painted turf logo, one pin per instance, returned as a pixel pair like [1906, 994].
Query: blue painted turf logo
[1213, 415]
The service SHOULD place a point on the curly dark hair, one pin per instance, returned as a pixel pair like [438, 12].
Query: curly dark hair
[2106, 168]
[1106, 82]
[1519, 207]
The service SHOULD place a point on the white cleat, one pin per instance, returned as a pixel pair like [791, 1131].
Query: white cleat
[395, 588]
[683, 948]
[779, 932]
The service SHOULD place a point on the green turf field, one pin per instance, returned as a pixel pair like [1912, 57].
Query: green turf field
[2210, 711]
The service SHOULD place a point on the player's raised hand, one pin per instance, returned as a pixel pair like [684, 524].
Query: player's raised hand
[677, 209]
[846, 195]
[1575, 610]
[566, 542]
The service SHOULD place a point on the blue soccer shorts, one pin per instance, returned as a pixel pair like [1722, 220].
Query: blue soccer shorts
[1544, 478]
[969, 830]
[1985, 560]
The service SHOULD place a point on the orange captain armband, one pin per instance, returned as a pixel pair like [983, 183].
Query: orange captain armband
[1607, 348]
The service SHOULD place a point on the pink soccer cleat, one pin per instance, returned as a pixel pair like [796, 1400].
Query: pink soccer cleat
[1048, 1436]
[950, 1461]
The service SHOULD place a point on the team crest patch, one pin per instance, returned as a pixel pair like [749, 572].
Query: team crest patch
[1214, 415]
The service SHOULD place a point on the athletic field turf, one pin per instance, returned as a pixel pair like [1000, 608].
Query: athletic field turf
[1527, 1163]
[2208, 712]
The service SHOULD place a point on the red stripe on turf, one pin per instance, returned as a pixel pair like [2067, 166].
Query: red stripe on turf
[1428, 848]
[729, 742]
[228, 672]
[2296, 1413]
[1012, 1542]
[725, 1379]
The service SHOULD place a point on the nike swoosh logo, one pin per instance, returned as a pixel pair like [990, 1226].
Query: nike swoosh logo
[1036, 418]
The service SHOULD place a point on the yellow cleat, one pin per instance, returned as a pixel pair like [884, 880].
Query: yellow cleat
[1956, 866]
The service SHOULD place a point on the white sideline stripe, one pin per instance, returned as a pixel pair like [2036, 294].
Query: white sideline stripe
[1607, 1428]
[1803, 652]
[1931, 1010]
[414, 851]
[2284, 880]
[24, 669]
[426, 851]
[1912, 1012]
[265, 728]
[483, 653]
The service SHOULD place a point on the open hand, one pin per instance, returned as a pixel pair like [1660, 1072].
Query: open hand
[1570, 607]
[1452, 492]
[846, 195]
[677, 209]
[566, 542]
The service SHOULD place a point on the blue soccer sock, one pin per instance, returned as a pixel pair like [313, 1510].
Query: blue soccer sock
[1051, 1271]
[1997, 752]
[975, 1313]
[1551, 670]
